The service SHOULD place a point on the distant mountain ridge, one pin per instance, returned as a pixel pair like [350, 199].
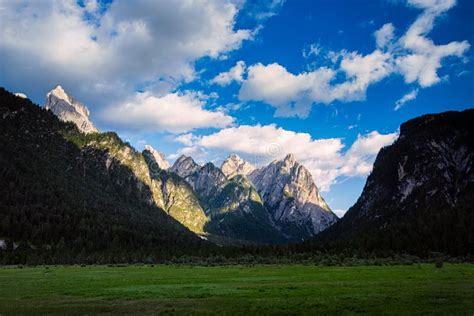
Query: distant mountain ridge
[282, 196]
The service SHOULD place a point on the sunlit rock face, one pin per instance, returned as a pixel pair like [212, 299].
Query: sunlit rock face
[293, 199]
[68, 109]
[234, 165]
[158, 157]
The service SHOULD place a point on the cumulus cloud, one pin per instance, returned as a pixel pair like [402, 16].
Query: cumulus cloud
[185, 139]
[406, 98]
[145, 111]
[293, 95]
[233, 74]
[385, 35]
[105, 54]
[424, 59]
[414, 56]
[325, 158]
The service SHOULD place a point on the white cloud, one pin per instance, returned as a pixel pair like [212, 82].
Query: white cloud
[105, 55]
[424, 57]
[174, 113]
[361, 71]
[293, 95]
[313, 50]
[359, 158]
[186, 139]
[234, 74]
[263, 10]
[414, 56]
[406, 98]
[325, 158]
[384, 36]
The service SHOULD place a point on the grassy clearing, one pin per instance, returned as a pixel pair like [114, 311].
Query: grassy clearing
[286, 289]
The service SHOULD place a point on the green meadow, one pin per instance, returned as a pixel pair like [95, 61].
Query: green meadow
[261, 289]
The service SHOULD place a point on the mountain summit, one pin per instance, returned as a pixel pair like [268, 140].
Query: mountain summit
[159, 159]
[234, 165]
[68, 109]
[420, 194]
[184, 166]
[293, 199]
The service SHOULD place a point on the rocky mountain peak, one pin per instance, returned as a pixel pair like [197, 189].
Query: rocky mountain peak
[157, 157]
[184, 166]
[234, 165]
[68, 109]
[288, 190]
[289, 160]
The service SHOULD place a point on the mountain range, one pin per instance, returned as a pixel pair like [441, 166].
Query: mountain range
[65, 185]
[277, 203]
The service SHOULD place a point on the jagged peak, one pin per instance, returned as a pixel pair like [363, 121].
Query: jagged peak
[59, 92]
[289, 159]
[157, 156]
[210, 167]
[184, 166]
[68, 109]
[234, 165]
[183, 158]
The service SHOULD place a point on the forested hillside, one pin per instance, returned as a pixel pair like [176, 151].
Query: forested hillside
[65, 197]
[420, 195]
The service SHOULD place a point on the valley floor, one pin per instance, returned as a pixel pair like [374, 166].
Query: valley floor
[285, 289]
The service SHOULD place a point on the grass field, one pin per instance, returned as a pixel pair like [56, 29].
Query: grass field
[286, 289]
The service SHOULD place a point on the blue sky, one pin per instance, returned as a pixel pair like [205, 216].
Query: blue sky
[330, 81]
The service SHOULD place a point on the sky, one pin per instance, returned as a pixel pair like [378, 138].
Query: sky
[329, 81]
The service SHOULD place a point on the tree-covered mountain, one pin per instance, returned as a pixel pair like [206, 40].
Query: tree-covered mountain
[67, 196]
[174, 194]
[237, 211]
[420, 195]
[82, 164]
